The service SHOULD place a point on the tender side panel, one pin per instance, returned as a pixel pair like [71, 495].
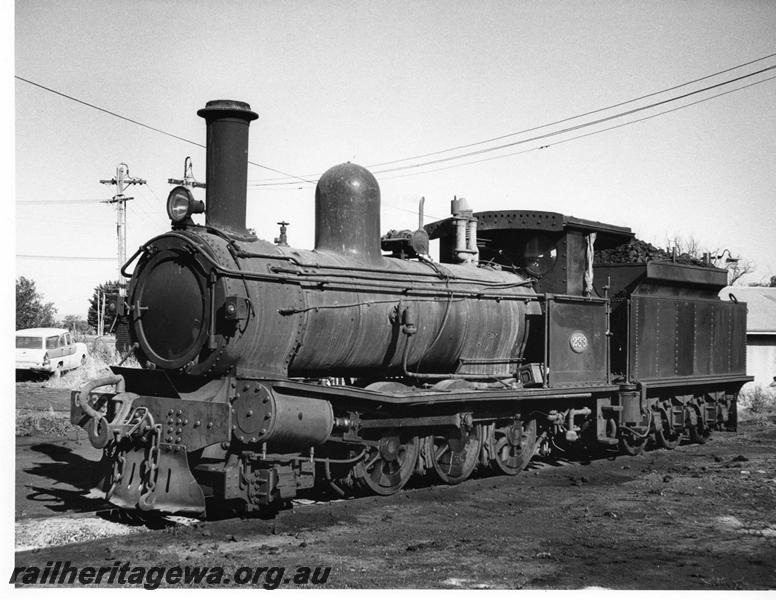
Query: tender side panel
[686, 337]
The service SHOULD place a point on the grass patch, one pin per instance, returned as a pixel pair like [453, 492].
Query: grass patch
[44, 424]
[102, 354]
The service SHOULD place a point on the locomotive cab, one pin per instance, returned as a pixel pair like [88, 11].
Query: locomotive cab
[567, 342]
[554, 249]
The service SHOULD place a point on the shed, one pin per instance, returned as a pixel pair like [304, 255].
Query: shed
[760, 330]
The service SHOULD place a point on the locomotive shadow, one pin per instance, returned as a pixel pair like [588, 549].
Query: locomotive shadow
[65, 469]
[24, 376]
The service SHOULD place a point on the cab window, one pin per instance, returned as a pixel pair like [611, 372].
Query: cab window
[51, 342]
[67, 339]
[538, 254]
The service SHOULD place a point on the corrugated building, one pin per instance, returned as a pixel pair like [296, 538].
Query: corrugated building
[760, 330]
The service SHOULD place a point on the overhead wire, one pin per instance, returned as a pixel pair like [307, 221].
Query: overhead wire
[146, 126]
[283, 184]
[578, 116]
[577, 137]
[581, 125]
[64, 201]
[48, 257]
[563, 120]
[571, 128]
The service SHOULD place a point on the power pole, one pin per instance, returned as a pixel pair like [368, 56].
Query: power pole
[122, 181]
[188, 176]
[99, 314]
[102, 314]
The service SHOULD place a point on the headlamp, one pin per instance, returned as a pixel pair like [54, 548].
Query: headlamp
[181, 204]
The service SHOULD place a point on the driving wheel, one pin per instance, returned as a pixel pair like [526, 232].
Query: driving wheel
[388, 465]
[513, 447]
[454, 454]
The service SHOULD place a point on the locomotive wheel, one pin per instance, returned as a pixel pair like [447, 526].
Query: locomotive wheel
[633, 445]
[668, 440]
[454, 455]
[513, 447]
[386, 468]
[631, 442]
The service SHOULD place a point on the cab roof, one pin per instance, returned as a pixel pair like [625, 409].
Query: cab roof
[537, 220]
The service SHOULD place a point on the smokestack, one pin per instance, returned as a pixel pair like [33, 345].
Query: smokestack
[227, 162]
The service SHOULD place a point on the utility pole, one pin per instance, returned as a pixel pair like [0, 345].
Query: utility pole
[122, 181]
[99, 314]
[102, 314]
[188, 176]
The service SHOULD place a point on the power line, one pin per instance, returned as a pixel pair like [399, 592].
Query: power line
[579, 116]
[580, 126]
[66, 201]
[584, 135]
[567, 129]
[140, 124]
[42, 256]
[559, 121]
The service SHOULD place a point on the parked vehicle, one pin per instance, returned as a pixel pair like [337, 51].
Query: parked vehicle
[48, 350]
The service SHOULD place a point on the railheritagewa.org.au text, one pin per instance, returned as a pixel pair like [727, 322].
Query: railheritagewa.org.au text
[63, 573]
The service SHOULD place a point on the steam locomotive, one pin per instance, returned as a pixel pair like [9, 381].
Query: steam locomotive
[268, 370]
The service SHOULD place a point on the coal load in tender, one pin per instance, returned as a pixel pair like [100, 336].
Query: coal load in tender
[637, 251]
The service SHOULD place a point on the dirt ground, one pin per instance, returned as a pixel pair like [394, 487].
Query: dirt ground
[698, 517]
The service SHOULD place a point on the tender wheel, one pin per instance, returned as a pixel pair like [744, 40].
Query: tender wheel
[454, 455]
[513, 447]
[699, 434]
[386, 468]
[667, 437]
[698, 431]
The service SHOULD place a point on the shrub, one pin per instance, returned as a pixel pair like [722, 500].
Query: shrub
[757, 402]
[102, 354]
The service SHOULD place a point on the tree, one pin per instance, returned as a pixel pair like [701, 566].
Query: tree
[31, 311]
[75, 324]
[110, 289]
[769, 283]
[736, 267]
[736, 270]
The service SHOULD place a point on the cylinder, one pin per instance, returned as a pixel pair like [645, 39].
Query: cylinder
[347, 213]
[227, 162]
[294, 422]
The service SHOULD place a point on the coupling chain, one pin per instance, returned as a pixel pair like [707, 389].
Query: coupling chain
[152, 464]
[118, 471]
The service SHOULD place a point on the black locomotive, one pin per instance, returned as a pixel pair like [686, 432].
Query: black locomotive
[364, 362]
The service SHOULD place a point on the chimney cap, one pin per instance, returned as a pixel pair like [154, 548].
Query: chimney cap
[227, 108]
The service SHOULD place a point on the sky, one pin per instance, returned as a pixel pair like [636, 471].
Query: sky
[372, 82]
